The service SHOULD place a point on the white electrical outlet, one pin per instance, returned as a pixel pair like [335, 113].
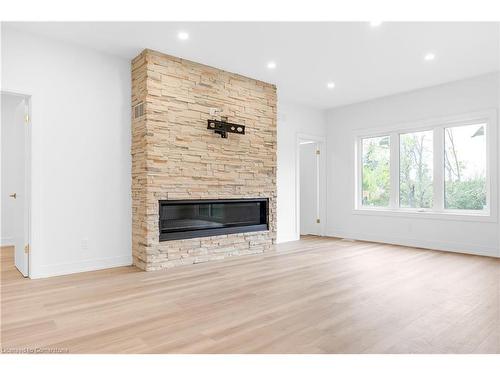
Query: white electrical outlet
[214, 111]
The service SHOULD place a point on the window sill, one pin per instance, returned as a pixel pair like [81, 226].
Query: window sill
[414, 214]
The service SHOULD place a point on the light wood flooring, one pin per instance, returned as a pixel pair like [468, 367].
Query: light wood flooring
[317, 295]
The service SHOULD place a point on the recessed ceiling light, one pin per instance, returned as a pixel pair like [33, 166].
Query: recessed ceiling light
[375, 23]
[330, 85]
[429, 56]
[182, 35]
[271, 65]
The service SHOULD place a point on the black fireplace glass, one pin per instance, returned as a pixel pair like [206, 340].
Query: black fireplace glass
[201, 218]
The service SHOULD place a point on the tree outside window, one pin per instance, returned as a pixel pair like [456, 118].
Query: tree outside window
[465, 167]
[376, 171]
[415, 169]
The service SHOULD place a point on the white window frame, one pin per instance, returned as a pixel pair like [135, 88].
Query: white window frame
[437, 126]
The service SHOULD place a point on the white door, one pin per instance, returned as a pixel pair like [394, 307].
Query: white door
[15, 217]
[309, 188]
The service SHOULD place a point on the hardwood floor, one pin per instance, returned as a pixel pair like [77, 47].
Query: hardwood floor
[317, 295]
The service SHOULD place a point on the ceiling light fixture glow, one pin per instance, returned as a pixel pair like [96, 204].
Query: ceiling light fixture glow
[375, 23]
[182, 35]
[330, 85]
[271, 65]
[429, 56]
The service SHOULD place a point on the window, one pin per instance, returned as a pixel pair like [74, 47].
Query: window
[415, 169]
[465, 167]
[376, 171]
[438, 167]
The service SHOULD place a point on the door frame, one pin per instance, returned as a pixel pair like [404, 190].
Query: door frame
[321, 141]
[28, 229]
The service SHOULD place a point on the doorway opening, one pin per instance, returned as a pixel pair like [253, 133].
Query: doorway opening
[15, 180]
[311, 199]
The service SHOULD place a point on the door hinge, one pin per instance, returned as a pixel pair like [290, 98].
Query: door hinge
[27, 119]
[317, 152]
[317, 221]
[27, 248]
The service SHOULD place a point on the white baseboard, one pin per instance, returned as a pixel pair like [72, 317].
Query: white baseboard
[456, 247]
[83, 266]
[287, 238]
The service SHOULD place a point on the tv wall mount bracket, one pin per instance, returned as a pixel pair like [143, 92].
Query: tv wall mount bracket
[224, 127]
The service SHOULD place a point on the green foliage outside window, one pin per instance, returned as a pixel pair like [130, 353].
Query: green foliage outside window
[376, 171]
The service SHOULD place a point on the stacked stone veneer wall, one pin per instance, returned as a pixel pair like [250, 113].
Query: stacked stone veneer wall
[175, 156]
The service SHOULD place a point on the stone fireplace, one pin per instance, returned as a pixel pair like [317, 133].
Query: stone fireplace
[197, 196]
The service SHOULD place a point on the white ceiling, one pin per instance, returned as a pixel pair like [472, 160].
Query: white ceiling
[365, 62]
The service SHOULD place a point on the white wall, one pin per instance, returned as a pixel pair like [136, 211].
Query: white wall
[293, 119]
[455, 98]
[81, 164]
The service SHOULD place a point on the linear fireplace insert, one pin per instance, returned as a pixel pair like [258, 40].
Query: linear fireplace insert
[181, 219]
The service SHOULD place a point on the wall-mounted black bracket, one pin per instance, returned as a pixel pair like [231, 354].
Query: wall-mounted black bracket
[223, 127]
